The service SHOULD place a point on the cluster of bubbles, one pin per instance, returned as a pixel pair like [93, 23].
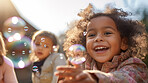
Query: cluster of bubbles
[14, 30]
[78, 52]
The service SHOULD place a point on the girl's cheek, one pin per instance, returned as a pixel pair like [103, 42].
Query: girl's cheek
[35, 48]
[88, 43]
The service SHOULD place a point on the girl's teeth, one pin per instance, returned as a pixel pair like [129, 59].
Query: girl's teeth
[100, 48]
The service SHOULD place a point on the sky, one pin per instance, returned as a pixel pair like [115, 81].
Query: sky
[55, 15]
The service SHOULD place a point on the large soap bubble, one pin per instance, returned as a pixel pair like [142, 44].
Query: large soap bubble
[14, 28]
[19, 52]
[77, 54]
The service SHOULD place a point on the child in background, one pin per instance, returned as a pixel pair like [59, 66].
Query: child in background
[7, 73]
[114, 45]
[44, 58]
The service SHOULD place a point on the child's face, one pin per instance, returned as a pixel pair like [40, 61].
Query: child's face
[103, 40]
[43, 47]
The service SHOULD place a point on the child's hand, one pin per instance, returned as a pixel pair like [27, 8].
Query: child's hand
[74, 74]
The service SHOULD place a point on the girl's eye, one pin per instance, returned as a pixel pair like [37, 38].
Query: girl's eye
[46, 46]
[37, 44]
[90, 34]
[107, 33]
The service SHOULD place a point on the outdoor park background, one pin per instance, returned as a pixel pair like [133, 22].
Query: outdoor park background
[54, 16]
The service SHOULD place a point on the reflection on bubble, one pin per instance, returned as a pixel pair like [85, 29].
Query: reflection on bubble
[77, 54]
[21, 64]
[77, 60]
[14, 37]
[24, 43]
[14, 20]
[14, 25]
[55, 48]
[17, 36]
[26, 28]
[76, 47]
[10, 39]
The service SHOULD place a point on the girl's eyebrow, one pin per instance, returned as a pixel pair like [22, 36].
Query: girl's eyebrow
[89, 30]
[106, 27]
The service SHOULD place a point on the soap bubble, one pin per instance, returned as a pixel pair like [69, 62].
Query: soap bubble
[14, 27]
[19, 52]
[77, 54]
[35, 69]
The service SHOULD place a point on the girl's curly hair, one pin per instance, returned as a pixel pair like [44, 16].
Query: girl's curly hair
[133, 30]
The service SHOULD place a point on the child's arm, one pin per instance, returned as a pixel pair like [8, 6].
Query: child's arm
[9, 73]
[74, 75]
[129, 73]
[132, 70]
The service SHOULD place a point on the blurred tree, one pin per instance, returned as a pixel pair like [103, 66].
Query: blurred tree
[145, 21]
[141, 11]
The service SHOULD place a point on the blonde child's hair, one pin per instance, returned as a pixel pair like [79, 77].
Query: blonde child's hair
[2, 49]
[41, 33]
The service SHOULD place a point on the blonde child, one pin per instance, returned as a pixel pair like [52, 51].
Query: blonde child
[114, 45]
[44, 58]
[7, 73]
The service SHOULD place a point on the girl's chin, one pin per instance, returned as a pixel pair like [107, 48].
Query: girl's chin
[102, 59]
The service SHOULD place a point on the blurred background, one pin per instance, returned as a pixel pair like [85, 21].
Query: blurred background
[19, 19]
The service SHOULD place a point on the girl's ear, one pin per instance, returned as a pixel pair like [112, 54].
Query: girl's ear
[124, 43]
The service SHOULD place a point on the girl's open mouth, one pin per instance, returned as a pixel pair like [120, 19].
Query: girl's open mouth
[40, 53]
[101, 49]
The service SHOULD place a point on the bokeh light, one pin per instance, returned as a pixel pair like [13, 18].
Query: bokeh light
[21, 64]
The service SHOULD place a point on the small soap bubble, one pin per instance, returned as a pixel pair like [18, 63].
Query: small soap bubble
[35, 68]
[78, 52]
[45, 45]
[23, 52]
[26, 28]
[9, 30]
[13, 53]
[42, 39]
[55, 48]
[29, 51]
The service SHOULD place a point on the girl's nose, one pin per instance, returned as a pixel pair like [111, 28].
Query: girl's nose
[99, 38]
[40, 47]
